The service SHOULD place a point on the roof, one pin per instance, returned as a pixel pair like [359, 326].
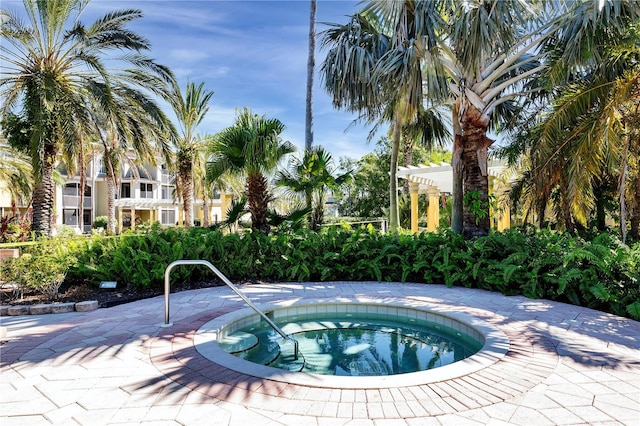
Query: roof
[441, 176]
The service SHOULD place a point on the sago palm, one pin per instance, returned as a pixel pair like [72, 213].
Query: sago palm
[311, 177]
[252, 146]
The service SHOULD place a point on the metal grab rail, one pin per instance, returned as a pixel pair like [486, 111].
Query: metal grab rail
[237, 291]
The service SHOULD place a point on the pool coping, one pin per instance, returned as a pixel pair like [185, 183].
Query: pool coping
[495, 347]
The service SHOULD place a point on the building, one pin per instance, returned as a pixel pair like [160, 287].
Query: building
[145, 194]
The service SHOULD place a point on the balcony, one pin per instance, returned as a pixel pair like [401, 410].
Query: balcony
[74, 200]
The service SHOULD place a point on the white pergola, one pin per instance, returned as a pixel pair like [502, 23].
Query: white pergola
[434, 180]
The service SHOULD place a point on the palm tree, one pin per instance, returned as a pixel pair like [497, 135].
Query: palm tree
[311, 64]
[589, 135]
[483, 52]
[190, 110]
[252, 146]
[15, 173]
[52, 66]
[138, 133]
[374, 67]
[311, 177]
[430, 130]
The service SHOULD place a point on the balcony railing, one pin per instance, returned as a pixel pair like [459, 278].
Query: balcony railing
[73, 201]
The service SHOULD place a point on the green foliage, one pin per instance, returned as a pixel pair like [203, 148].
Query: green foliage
[367, 193]
[14, 229]
[42, 267]
[601, 274]
[479, 207]
[100, 222]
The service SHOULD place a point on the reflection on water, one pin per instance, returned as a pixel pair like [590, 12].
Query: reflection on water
[363, 347]
[374, 352]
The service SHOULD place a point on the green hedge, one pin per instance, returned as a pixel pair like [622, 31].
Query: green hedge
[601, 273]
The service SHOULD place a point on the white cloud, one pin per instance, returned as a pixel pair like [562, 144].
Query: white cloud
[188, 55]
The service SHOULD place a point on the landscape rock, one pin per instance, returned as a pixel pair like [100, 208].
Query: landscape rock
[18, 310]
[60, 308]
[40, 309]
[89, 305]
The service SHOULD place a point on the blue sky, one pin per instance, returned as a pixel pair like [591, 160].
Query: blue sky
[250, 53]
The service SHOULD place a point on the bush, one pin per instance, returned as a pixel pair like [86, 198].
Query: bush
[601, 273]
[100, 222]
[43, 268]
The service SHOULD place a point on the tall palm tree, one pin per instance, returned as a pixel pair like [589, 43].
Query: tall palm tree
[496, 50]
[138, 133]
[311, 65]
[590, 133]
[374, 67]
[52, 65]
[311, 177]
[253, 146]
[485, 51]
[190, 110]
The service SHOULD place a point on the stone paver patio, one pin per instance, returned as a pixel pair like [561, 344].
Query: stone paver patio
[565, 365]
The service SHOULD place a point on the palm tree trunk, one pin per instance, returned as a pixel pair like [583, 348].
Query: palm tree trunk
[475, 220]
[186, 160]
[111, 202]
[407, 157]
[43, 195]
[258, 199]
[187, 200]
[600, 201]
[634, 217]
[566, 207]
[622, 190]
[83, 183]
[318, 215]
[474, 143]
[43, 203]
[394, 214]
[457, 194]
[206, 222]
[542, 211]
[311, 63]
[308, 199]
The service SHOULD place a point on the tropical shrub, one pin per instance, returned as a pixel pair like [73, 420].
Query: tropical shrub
[601, 273]
[100, 222]
[42, 267]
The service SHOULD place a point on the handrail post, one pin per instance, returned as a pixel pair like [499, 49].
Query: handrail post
[235, 289]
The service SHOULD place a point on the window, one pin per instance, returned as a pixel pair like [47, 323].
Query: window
[70, 217]
[86, 218]
[125, 190]
[167, 192]
[146, 190]
[168, 217]
[71, 189]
